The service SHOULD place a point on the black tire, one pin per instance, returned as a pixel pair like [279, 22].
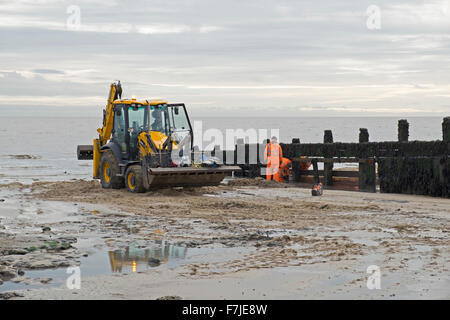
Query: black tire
[133, 179]
[109, 170]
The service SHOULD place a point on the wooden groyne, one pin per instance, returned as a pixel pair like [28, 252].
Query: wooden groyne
[403, 166]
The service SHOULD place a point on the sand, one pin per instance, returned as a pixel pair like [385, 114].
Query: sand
[267, 240]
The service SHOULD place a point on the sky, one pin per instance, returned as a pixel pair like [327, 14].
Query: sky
[228, 58]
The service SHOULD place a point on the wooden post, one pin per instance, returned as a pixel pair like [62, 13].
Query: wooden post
[363, 135]
[296, 171]
[367, 174]
[403, 130]
[196, 155]
[445, 162]
[316, 171]
[328, 167]
[296, 165]
[217, 152]
[261, 162]
[446, 129]
[239, 152]
[261, 148]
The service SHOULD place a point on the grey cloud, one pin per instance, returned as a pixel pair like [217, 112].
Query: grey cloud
[48, 71]
[15, 84]
[250, 43]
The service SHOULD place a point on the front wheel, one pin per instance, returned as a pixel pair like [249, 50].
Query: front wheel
[109, 170]
[133, 179]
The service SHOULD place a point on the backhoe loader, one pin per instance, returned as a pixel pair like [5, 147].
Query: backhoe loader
[147, 144]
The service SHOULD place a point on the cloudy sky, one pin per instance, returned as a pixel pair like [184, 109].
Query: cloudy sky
[228, 57]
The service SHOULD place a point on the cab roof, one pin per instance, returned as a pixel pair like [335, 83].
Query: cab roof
[144, 103]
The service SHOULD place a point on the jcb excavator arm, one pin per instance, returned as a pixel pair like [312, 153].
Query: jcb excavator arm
[115, 91]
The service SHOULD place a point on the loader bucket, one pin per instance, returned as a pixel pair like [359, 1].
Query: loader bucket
[85, 152]
[186, 176]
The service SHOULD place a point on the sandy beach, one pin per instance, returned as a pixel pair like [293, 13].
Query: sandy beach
[245, 239]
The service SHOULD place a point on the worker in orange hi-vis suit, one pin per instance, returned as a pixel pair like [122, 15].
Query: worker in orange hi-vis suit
[272, 156]
[285, 170]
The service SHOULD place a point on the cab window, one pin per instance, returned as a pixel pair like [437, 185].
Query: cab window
[158, 120]
[119, 127]
[137, 119]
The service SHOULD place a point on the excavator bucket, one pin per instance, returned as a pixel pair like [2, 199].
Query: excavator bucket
[185, 176]
[85, 152]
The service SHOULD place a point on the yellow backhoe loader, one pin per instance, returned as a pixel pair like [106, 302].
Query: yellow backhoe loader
[147, 144]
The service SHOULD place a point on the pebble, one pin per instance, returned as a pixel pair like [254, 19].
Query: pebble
[18, 251]
[45, 280]
[152, 262]
[21, 279]
[169, 298]
[9, 295]
[7, 273]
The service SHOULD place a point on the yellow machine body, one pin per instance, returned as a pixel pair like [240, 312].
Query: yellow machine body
[137, 167]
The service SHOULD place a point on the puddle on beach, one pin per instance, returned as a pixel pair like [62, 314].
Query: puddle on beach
[130, 259]
[138, 255]
[122, 261]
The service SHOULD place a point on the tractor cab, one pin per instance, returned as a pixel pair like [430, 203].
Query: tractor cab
[157, 118]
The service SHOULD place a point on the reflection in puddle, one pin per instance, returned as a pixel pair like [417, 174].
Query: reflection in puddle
[130, 259]
[134, 258]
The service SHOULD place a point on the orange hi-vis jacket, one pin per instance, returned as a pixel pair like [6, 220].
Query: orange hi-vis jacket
[273, 154]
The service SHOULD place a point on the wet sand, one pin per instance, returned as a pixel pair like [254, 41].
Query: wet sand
[248, 239]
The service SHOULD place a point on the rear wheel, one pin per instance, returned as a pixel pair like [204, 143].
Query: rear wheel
[109, 170]
[133, 179]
